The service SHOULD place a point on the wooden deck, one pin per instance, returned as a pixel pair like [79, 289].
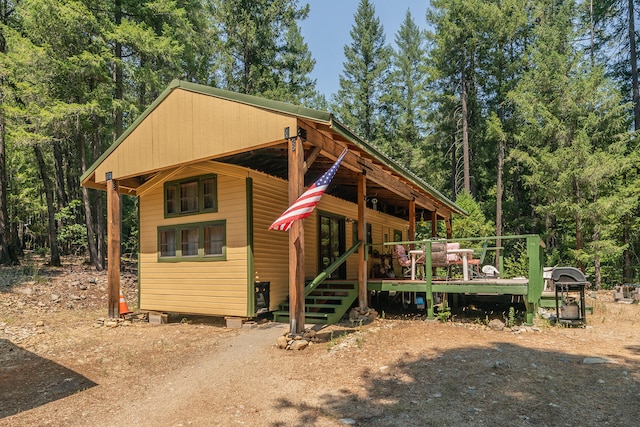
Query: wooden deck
[479, 286]
[472, 286]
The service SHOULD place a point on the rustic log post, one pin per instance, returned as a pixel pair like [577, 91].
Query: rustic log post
[434, 223]
[113, 246]
[296, 239]
[412, 221]
[362, 235]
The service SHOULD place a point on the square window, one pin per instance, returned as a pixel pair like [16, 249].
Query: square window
[168, 243]
[191, 196]
[189, 242]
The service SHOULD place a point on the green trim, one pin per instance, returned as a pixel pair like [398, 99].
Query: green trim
[195, 258]
[255, 101]
[138, 272]
[251, 309]
[342, 233]
[200, 180]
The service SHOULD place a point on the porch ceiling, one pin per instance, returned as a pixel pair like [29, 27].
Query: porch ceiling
[273, 161]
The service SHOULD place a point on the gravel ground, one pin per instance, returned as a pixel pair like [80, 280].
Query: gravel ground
[61, 365]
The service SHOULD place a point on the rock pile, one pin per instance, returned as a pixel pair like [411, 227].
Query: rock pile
[288, 341]
[362, 316]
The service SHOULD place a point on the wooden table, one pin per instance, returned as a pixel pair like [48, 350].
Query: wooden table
[465, 260]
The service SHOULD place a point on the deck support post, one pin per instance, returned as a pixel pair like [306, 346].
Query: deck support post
[362, 236]
[412, 221]
[296, 238]
[113, 246]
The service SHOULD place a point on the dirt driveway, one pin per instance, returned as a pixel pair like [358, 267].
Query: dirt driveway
[60, 366]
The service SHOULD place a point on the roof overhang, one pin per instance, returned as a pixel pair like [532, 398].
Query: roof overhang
[393, 186]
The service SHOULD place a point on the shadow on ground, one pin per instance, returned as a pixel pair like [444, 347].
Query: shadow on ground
[28, 380]
[498, 385]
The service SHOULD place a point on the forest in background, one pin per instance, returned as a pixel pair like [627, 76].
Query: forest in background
[522, 111]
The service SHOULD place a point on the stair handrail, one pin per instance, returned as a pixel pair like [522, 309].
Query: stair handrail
[330, 269]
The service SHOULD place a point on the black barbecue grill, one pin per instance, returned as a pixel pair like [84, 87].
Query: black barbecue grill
[568, 280]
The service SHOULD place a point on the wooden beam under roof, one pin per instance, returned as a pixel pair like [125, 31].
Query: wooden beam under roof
[355, 162]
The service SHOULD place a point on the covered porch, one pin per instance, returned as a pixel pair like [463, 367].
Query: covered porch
[323, 296]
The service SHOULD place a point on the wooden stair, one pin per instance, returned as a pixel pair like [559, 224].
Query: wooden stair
[326, 303]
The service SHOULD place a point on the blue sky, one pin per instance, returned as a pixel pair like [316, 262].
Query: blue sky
[327, 28]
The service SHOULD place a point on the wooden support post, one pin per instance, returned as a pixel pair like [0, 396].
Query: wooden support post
[449, 229]
[113, 246]
[434, 223]
[412, 221]
[362, 236]
[296, 239]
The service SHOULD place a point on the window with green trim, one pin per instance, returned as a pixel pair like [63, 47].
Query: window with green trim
[191, 196]
[202, 241]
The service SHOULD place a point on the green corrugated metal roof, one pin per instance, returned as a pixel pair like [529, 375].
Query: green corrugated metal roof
[286, 108]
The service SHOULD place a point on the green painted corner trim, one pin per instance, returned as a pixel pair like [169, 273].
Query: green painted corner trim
[251, 309]
[138, 272]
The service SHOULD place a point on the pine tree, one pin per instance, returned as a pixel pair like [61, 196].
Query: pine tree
[573, 142]
[257, 42]
[365, 75]
[405, 102]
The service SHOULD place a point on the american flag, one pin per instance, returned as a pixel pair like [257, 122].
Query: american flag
[306, 203]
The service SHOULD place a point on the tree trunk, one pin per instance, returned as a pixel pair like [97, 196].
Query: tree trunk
[88, 214]
[596, 262]
[101, 228]
[117, 77]
[99, 214]
[59, 175]
[633, 58]
[48, 192]
[499, 199]
[8, 253]
[579, 239]
[626, 241]
[465, 132]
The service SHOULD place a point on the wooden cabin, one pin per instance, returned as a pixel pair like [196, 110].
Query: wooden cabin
[212, 169]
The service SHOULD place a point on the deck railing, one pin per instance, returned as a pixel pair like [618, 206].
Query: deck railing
[534, 263]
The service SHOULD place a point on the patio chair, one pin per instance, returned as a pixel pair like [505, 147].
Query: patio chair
[405, 260]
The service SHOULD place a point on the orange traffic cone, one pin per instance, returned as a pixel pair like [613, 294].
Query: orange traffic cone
[123, 305]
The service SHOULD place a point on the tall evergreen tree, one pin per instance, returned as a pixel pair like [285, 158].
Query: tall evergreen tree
[405, 101]
[256, 41]
[365, 75]
[8, 250]
[458, 44]
[573, 139]
[613, 42]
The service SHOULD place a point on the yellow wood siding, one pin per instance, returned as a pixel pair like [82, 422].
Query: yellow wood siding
[271, 248]
[207, 287]
[186, 127]
[221, 287]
